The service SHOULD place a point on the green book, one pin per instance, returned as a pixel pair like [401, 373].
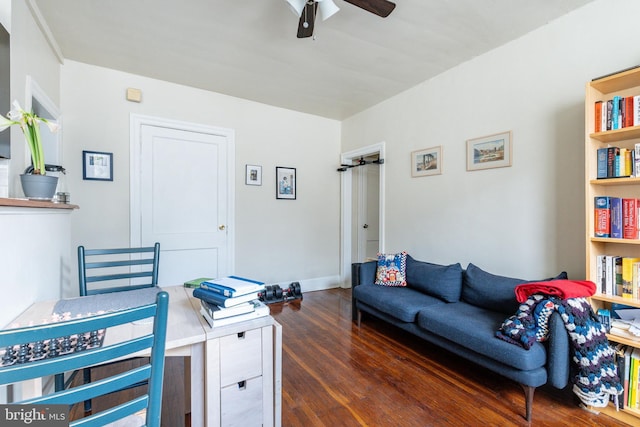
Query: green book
[195, 283]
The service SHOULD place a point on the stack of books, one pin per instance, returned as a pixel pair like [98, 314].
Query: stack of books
[229, 300]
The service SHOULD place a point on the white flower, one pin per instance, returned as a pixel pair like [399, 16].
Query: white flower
[30, 125]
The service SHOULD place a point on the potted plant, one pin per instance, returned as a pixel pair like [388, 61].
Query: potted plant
[35, 184]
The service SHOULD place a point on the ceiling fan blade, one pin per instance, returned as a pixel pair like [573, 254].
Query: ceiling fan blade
[381, 8]
[307, 20]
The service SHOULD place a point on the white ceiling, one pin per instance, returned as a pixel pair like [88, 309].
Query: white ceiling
[249, 48]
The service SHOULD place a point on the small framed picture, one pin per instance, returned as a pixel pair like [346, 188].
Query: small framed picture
[253, 175]
[426, 162]
[97, 165]
[286, 185]
[493, 151]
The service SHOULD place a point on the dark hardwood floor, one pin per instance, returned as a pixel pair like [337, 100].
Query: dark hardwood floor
[335, 374]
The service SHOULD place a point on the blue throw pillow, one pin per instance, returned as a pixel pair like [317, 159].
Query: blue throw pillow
[494, 292]
[440, 281]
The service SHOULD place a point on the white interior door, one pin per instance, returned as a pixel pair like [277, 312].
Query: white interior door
[367, 211]
[371, 224]
[184, 201]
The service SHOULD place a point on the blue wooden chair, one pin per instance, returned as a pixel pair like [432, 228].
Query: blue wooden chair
[34, 352]
[120, 269]
[113, 270]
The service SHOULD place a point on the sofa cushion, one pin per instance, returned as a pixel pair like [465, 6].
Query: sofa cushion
[403, 303]
[475, 328]
[441, 281]
[392, 269]
[494, 292]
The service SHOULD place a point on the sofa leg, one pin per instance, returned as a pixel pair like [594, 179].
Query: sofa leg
[528, 395]
[359, 315]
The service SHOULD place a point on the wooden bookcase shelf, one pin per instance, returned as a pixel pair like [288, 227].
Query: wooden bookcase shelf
[626, 83]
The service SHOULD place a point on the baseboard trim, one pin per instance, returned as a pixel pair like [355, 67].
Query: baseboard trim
[315, 284]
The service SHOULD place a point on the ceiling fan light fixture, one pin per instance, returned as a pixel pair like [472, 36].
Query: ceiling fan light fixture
[327, 8]
[296, 6]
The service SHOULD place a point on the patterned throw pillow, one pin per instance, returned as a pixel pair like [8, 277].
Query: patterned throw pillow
[392, 269]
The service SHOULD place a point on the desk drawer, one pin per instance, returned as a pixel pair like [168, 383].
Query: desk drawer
[241, 404]
[240, 357]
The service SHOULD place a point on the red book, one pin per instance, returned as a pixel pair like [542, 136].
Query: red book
[602, 216]
[630, 218]
[598, 117]
[627, 119]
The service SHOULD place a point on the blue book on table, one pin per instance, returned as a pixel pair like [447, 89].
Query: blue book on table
[233, 286]
[220, 300]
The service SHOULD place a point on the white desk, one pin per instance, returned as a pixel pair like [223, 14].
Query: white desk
[188, 335]
[244, 372]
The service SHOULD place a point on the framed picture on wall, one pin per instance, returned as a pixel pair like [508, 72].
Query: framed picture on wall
[97, 165]
[426, 162]
[487, 152]
[286, 184]
[253, 175]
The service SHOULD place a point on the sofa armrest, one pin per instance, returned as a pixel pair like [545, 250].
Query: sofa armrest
[361, 273]
[368, 272]
[558, 353]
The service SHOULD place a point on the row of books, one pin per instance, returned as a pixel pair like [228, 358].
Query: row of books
[617, 113]
[229, 299]
[617, 162]
[628, 364]
[616, 217]
[618, 276]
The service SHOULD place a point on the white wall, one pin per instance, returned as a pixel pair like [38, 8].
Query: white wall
[34, 243]
[276, 240]
[5, 14]
[32, 56]
[526, 220]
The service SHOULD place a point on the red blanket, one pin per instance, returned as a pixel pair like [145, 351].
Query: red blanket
[563, 289]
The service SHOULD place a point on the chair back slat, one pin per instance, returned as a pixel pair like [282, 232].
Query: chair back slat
[119, 267]
[119, 251]
[107, 264]
[96, 388]
[81, 359]
[146, 341]
[114, 414]
[115, 289]
[118, 276]
[83, 324]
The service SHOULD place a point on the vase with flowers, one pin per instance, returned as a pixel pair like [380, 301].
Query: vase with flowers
[36, 184]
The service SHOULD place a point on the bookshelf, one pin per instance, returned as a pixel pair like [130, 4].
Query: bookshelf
[624, 84]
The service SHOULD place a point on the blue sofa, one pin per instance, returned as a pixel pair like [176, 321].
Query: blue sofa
[461, 310]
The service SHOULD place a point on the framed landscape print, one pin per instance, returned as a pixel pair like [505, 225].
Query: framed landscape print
[493, 151]
[286, 185]
[426, 162]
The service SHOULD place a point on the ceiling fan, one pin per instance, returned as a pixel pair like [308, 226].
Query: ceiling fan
[307, 10]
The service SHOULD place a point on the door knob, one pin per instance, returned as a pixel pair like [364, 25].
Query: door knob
[365, 226]
[221, 227]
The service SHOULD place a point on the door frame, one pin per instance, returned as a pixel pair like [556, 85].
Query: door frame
[346, 207]
[135, 144]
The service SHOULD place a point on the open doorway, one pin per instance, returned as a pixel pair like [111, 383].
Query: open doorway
[362, 204]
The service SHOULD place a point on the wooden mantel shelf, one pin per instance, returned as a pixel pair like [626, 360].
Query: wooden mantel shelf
[26, 203]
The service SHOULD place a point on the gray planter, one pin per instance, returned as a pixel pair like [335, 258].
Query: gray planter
[39, 187]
